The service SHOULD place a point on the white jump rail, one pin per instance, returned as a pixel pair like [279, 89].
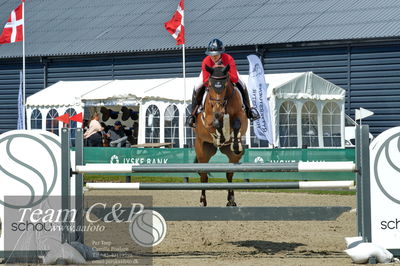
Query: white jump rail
[347, 184]
[210, 167]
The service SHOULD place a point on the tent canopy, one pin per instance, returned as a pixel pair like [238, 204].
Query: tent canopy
[128, 92]
[63, 93]
[304, 85]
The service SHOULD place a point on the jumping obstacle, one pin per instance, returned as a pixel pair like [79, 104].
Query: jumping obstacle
[232, 213]
[73, 176]
[223, 213]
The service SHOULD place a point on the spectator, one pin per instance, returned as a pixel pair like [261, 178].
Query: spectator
[117, 135]
[106, 141]
[93, 134]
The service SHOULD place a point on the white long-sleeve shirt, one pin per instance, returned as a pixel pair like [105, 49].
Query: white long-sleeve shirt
[94, 127]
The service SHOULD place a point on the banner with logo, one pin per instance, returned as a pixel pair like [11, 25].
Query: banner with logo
[385, 193]
[258, 91]
[186, 155]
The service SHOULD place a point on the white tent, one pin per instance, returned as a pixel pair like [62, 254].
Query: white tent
[316, 106]
[63, 93]
[297, 88]
[132, 92]
[60, 97]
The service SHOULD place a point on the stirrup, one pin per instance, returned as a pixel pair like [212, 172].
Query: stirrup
[191, 121]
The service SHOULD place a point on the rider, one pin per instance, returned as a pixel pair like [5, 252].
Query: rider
[216, 56]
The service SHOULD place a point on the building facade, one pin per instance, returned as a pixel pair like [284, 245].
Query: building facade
[369, 71]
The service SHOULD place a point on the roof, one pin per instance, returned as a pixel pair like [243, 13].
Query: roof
[79, 27]
[131, 92]
[111, 92]
[306, 85]
[63, 93]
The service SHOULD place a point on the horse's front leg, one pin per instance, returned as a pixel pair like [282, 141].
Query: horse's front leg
[233, 158]
[204, 151]
[236, 145]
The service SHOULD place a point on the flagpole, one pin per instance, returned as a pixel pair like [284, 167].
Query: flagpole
[184, 82]
[176, 27]
[184, 74]
[184, 92]
[23, 64]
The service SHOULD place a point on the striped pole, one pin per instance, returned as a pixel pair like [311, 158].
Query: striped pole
[217, 186]
[221, 167]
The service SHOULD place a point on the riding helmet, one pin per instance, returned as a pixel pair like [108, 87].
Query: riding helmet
[215, 47]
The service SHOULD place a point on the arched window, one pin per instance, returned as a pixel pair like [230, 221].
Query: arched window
[190, 137]
[51, 123]
[36, 119]
[331, 126]
[171, 125]
[152, 124]
[309, 125]
[72, 125]
[288, 125]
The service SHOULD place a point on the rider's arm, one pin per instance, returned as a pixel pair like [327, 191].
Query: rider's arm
[206, 75]
[233, 73]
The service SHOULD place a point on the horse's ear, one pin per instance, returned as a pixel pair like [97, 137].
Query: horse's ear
[209, 69]
[226, 69]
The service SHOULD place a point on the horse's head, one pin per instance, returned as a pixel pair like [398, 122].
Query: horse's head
[219, 86]
[219, 78]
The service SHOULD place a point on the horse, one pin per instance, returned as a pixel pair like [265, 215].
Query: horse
[220, 125]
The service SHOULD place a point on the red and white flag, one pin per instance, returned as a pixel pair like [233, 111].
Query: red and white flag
[175, 26]
[13, 30]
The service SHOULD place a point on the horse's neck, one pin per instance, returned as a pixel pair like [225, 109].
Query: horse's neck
[235, 100]
[229, 93]
[229, 90]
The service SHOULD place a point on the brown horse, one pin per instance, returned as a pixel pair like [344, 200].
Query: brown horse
[221, 124]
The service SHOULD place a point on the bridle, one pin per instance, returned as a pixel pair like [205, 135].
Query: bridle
[224, 100]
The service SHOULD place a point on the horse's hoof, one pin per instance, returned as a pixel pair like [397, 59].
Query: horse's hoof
[231, 204]
[203, 203]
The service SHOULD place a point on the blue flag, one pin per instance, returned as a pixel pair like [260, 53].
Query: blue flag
[258, 90]
[21, 107]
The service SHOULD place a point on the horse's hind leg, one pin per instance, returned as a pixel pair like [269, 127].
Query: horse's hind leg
[233, 158]
[204, 151]
[231, 193]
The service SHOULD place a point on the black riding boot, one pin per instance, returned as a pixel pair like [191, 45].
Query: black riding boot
[197, 97]
[251, 112]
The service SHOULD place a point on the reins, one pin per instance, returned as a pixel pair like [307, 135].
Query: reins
[225, 99]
